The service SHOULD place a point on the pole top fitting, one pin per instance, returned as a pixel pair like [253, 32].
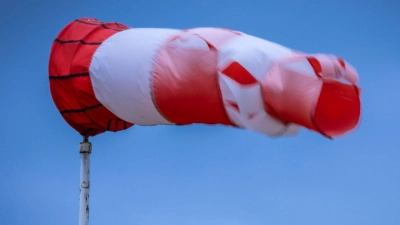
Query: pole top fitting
[85, 139]
[85, 146]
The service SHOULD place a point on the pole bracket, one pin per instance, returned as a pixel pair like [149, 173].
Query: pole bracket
[85, 146]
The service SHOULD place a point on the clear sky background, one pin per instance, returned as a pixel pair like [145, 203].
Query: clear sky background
[198, 174]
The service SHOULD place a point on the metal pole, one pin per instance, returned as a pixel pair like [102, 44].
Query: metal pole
[85, 150]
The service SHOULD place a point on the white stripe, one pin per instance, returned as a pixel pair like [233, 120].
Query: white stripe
[121, 70]
[300, 65]
[254, 54]
[252, 114]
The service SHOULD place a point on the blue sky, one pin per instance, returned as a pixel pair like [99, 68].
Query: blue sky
[202, 174]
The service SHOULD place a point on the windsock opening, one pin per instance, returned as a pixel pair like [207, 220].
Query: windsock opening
[307, 91]
[338, 108]
[70, 82]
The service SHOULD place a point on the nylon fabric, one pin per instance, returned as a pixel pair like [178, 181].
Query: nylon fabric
[105, 76]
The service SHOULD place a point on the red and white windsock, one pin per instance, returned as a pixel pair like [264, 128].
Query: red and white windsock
[107, 77]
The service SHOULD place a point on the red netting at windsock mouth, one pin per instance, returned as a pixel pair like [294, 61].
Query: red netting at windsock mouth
[70, 83]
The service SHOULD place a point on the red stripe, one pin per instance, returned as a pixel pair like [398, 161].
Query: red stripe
[233, 105]
[185, 85]
[290, 96]
[239, 74]
[69, 58]
[316, 65]
[341, 62]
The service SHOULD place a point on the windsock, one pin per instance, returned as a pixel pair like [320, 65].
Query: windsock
[107, 77]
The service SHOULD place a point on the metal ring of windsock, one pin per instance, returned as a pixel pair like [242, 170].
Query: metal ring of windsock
[107, 77]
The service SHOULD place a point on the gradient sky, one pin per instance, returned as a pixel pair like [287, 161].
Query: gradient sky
[198, 174]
